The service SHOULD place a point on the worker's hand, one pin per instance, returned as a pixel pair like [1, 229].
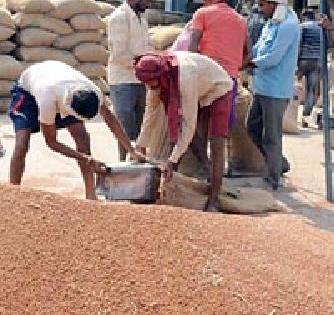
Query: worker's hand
[138, 156]
[168, 169]
[326, 23]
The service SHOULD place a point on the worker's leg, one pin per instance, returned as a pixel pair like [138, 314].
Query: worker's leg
[220, 111]
[82, 140]
[217, 170]
[17, 163]
[273, 110]
[124, 99]
[312, 79]
[254, 123]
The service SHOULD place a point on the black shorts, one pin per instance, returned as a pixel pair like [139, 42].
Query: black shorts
[23, 111]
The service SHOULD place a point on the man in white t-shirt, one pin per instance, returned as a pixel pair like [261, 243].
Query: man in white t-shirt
[51, 95]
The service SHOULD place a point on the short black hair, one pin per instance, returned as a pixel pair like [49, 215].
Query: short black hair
[85, 103]
[309, 14]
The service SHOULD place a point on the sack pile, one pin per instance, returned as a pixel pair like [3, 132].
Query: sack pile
[10, 69]
[163, 37]
[70, 31]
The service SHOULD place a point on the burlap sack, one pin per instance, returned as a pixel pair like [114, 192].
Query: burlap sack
[172, 18]
[29, 6]
[92, 70]
[103, 85]
[4, 104]
[10, 68]
[65, 9]
[105, 8]
[72, 40]
[187, 192]
[6, 47]
[6, 32]
[154, 17]
[35, 54]
[163, 36]
[290, 118]
[6, 18]
[244, 155]
[3, 4]
[5, 87]
[87, 22]
[23, 20]
[32, 37]
[88, 52]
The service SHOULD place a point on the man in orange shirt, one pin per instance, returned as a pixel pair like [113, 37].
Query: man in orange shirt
[219, 32]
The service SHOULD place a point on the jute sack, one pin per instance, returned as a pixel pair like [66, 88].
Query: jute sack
[92, 70]
[35, 37]
[35, 54]
[10, 68]
[88, 52]
[65, 9]
[6, 32]
[245, 156]
[104, 41]
[5, 87]
[105, 8]
[290, 118]
[4, 104]
[102, 84]
[6, 47]
[29, 6]
[3, 4]
[154, 17]
[187, 192]
[164, 36]
[23, 20]
[86, 22]
[6, 18]
[72, 40]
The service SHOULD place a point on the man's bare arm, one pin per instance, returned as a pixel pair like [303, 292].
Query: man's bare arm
[195, 37]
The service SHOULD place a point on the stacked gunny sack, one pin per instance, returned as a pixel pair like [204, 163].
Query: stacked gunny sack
[10, 68]
[70, 31]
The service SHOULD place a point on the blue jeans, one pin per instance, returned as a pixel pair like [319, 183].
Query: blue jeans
[129, 100]
[310, 68]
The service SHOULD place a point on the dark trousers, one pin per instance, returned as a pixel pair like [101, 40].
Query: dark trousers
[264, 125]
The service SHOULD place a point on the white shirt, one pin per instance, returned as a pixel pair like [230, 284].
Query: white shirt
[127, 38]
[201, 81]
[52, 83]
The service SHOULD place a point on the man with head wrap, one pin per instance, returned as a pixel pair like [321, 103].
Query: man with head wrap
[274, 60]
[51, 95]
[181, 83]
[127, 31]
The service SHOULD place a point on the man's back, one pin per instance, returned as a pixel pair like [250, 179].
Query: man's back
[224, 35]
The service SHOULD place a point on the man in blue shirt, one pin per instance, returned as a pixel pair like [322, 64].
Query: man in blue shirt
[274, 60]
[309, 58]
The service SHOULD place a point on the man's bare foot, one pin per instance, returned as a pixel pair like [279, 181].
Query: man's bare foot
[212, 206]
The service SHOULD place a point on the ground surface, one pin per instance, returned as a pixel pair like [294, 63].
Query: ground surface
[66, 256]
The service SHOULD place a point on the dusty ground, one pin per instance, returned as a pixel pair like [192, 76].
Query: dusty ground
[64, 256]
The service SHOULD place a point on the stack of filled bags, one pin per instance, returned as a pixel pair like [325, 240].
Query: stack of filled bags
[64, 30]
[10, 68]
